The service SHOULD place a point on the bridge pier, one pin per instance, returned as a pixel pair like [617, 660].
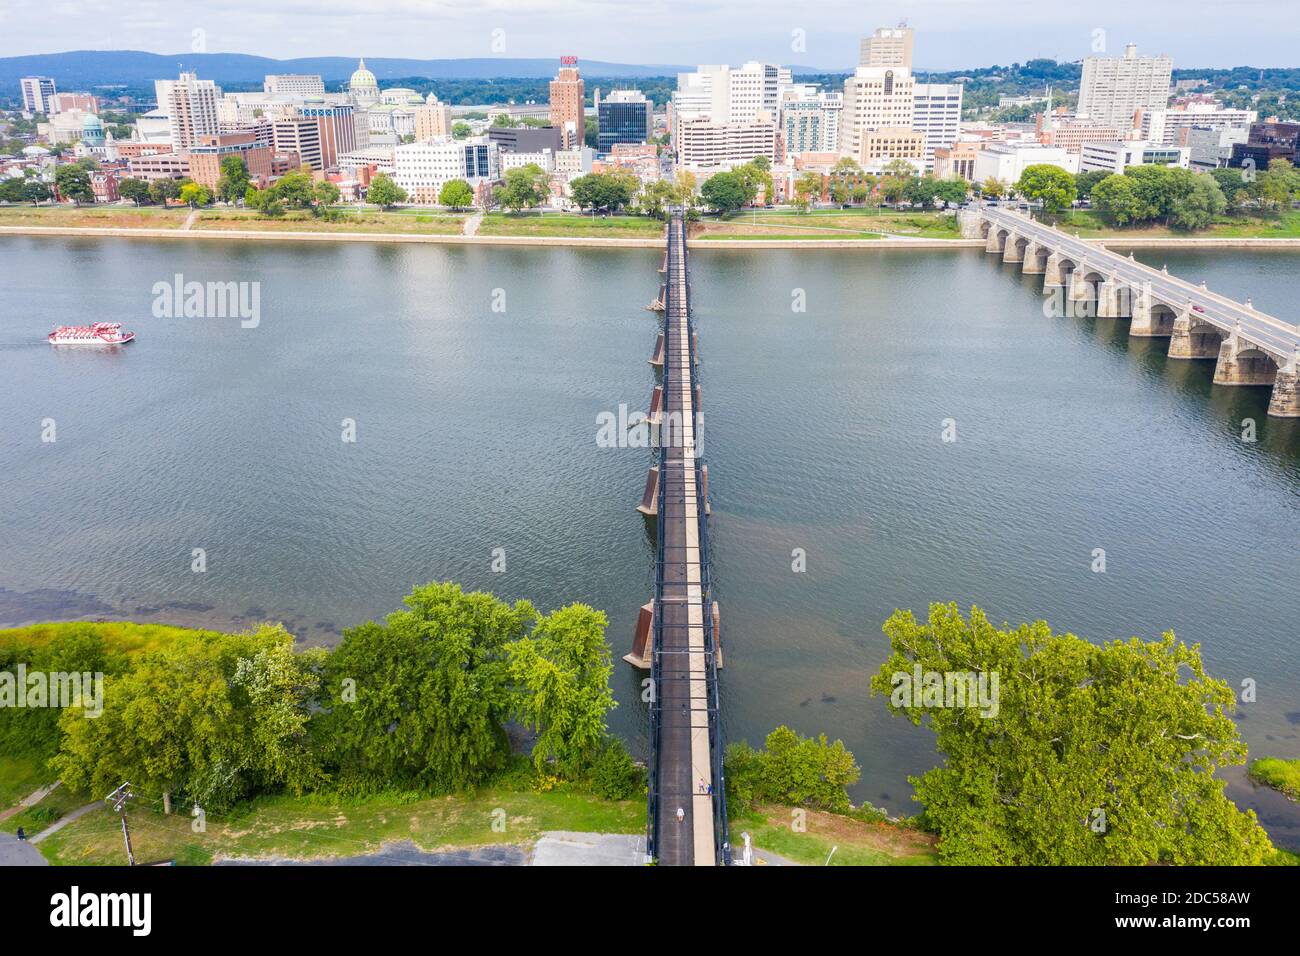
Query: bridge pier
[1032, 265]
[642, 646]
[650, 497]
[1014, 252]
[1053, 274]
[1285, 401]
[1188, 343]
[994, 243]
[657, 359]
[1241, 363]
[1113, 298]
[1080, 291]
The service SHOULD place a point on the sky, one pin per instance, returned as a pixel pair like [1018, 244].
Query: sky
[950, 34]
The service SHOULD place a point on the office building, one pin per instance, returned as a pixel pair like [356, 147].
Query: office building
[300, 135]
[703, 143]
[432, 120]
[208, 153]
[191, 108]
[1117, 156]
[810, 119]
[1265, 143]
[876, 98]
[293, 84]
[337, 128]
[567, 104]
[624, 116]
[37, 91]
[936, 112]
[1006, 162]
[422, 169]
[1163, 126]
[1114, 89]
[63, 102]
[526, 139]
[887, 47]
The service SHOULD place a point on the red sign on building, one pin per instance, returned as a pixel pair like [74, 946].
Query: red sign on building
[568, 61]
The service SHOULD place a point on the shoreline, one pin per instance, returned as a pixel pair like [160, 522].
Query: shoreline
[615, 242]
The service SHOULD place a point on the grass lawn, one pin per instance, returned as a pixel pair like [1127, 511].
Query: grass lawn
[1089, 224]
[412, 222]
[1279, 774]
[37, 818]
[317, 826]
[20, 775]
[566, 224]
[123, 637]
[125, 217]
[833, 223]
[801, 236]
[856, 842]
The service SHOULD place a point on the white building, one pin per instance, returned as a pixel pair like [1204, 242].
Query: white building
[37, 91]
[1006, 162]
[876, 98]
[937, 114]
[293, 84]
[191, 107]
[1115, 157]
[1164, 126]
[703, 143]
[725, 96]
[543, 159]
[888, 46]
[574, 162]
[381, 157]
[423, 168]
[1113, 89]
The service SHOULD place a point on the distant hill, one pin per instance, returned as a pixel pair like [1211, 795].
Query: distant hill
[83, 69]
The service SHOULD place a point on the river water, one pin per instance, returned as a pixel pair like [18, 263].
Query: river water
[474, 377]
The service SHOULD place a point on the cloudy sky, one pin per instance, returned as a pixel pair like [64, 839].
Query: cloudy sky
[950, 33]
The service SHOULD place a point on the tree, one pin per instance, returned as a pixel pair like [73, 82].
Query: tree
[560, 673]
[524, 188]
[844, 177]
[757, 179]
[73, 182]
[1116, 198]
[921, 191]
[807, 189]
[460, 130]
[1198, 208]
[456, 194]
[591, 132]
[1050, 185]
[1234, 186]
[724, 192]
[657, 194]
[993, 188]
[161, 190]
[385, 193]
[604, 191]
[1084, 182]
[1069, 752]
[211, 718]
[234, 180]
[195, 194]
[422, 699]
[296, 190]
[792, 770]
[502, 121]
[952, 191]
[1279, 186]
[326, 194]
[136, 190]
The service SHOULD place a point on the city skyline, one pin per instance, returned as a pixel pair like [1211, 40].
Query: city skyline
[1196, 34]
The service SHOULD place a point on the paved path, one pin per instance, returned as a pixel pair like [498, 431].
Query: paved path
[64, 820]
[472, 223]
[564, 848]
[16, 852]
[407, 853]
[30, 800]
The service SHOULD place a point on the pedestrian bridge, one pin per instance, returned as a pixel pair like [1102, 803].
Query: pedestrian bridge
[1249, 347]
[677, 634]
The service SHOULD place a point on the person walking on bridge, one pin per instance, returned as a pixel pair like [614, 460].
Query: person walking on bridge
[681, 814]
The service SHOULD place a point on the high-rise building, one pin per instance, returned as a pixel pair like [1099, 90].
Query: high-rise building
[62, 102]
[293, 84]
[810, 119]
[624, 116]
[889, 47]
[702, 142]
[1114, 89]
[337, 128]
[300, 135]
[36, 93]
[567, 103]
[207, 155]
[432, 120]
[746, 95]
[191, 107]
[876, 98]
[936, 112]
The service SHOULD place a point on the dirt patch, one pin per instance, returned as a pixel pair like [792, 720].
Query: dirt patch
[886, 837]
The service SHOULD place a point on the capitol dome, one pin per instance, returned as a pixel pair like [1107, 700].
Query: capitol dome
[363, 86]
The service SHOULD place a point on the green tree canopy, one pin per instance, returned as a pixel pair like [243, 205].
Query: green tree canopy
[73, 182]
[234, 180]
[725, 192]
[137, 190]
[791, 770]
[1116, 199]
[385, 193]
[525, 187]
[456, 193]
[1091, 755]
[604, 191]
[1050, 185]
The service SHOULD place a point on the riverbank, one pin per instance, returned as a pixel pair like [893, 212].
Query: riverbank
[755, 229]
[604, 242]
